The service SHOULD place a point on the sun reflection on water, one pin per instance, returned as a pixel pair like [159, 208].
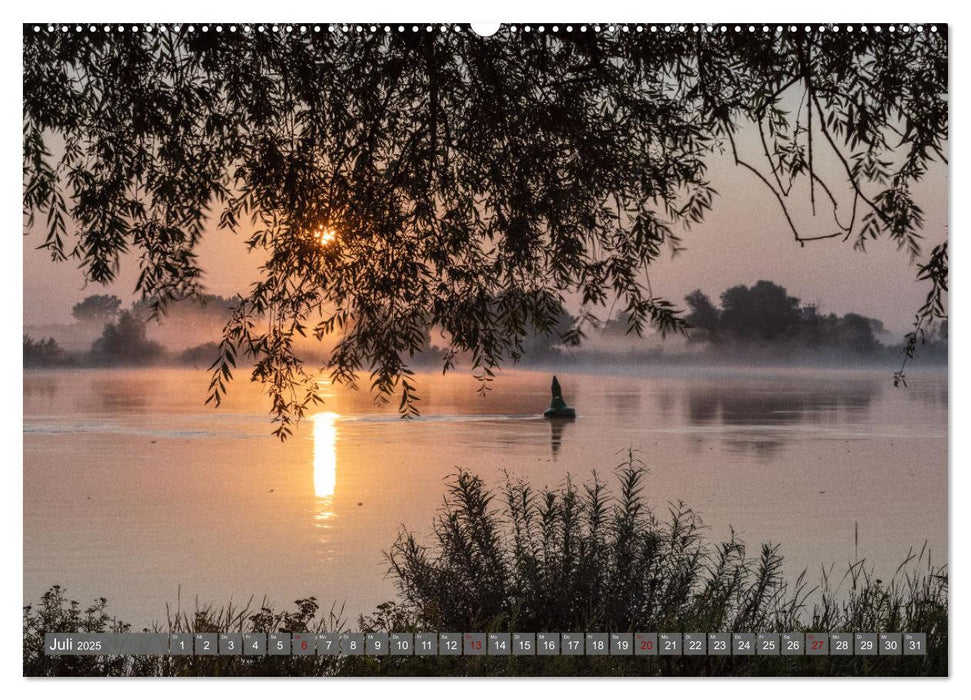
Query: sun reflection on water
[325, 465]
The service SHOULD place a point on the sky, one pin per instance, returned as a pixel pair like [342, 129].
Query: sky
[743, 239]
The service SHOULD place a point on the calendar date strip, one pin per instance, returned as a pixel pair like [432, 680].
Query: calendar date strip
[489, 644]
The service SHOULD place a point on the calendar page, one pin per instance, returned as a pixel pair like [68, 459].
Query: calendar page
[397, 349]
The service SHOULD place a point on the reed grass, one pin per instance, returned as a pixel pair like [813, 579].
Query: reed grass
[578, 557]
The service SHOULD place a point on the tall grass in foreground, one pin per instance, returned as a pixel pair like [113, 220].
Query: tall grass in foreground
[575, 558]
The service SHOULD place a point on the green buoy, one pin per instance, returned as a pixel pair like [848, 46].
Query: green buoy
[558, 407]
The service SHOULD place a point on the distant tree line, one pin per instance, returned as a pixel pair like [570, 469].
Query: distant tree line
[97, 309]
[45, 352]
[124, 339]
[757, 322]
[125, 342]
[766, 316]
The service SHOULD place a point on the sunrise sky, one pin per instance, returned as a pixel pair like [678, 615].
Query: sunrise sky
[745, 238]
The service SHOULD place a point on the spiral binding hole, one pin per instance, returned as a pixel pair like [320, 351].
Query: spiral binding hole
[611, 30]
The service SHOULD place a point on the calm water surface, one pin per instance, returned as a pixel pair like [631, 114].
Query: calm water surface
[135, 491]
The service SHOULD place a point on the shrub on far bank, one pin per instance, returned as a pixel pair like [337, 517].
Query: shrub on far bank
[125, 342]
[199, 355]
[45, 352]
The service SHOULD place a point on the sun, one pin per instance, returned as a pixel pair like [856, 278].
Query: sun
[324, 236]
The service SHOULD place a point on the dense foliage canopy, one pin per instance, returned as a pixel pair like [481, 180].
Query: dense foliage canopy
[438, 179]
[764, 316]
[96, 308]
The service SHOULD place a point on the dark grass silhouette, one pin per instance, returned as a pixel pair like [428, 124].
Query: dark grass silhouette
[574, 558]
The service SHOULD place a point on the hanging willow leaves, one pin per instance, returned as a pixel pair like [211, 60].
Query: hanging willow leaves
[438, 179]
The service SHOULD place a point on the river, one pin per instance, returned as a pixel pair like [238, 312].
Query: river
[135, 491]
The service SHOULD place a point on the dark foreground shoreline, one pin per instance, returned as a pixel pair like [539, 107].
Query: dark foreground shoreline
[576, 558]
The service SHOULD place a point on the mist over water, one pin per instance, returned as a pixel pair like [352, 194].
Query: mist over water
[133, 489]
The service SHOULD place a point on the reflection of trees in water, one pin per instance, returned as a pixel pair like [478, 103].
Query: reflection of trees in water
[75, 393]
[665, 402]
[763, 446]
[781, 405]
[111, 395]
[932, 392]
[702, 407]
[626, 403]
[753, 413]
[40, 389]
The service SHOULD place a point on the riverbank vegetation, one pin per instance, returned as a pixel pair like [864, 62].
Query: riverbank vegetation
[758, 324]
[579, 557]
